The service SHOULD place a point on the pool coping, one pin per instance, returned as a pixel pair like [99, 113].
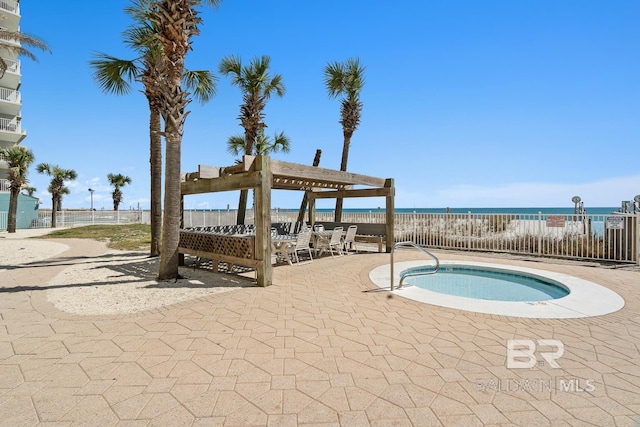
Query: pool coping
[586, 299]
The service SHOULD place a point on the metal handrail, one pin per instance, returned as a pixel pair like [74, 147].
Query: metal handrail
[408, 243]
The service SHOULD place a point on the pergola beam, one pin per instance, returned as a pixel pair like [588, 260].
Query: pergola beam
[243, 181]
[363, 192]
[311, 173]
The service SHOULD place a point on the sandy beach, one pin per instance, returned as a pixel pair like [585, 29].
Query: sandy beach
[115, 282]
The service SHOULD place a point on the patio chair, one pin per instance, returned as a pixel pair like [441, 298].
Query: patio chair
[301, 244]
[349, 240]
[298, 226]
[288, 228]
[331, 243]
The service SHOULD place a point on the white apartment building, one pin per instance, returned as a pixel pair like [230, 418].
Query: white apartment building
[11, 132]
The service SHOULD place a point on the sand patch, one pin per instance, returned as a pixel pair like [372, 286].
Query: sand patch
[20, 252]
[124, 283]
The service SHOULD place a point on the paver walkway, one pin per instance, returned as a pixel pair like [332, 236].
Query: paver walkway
[322, 346]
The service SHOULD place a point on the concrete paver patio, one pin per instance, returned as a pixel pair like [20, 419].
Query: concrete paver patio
[323, 346]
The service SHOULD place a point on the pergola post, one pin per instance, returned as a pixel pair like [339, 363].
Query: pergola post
[305, 198]
[262, 219]
[390, 206]
[312, 207]
[180, 255]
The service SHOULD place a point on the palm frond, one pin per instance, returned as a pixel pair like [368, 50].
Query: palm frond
[333, 79]
[139, 10]
[142, 37]
[232, 65]
[236, 145]
[275, 85]
[202, 83]
[8, 37]
[118, 180]
[281, 142]
[112, 74]
[214, 3]
[16, 42]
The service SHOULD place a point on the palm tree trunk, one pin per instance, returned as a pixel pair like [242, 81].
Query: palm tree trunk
[242, 206]
[171, 218]
[343, 167]
[116, 199]
[249, 138]
[177, 21]
[13, 211]
[156, 181]
[54, 210]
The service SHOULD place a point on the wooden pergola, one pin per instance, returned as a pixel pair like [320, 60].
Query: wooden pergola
[262, 174]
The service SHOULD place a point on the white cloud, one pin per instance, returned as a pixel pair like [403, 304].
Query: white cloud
[602, 193]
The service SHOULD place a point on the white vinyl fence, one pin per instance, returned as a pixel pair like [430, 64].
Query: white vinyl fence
[74, 218]
[592, 237]
[597, 237]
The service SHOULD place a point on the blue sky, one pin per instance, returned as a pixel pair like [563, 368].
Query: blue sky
[466, 103]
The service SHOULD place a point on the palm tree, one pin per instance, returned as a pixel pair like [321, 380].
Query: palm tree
[18, 158]
[264, 145]
[115, 75]
[345, 78]
[257, 86]
[30, 190]
[56, 187]
[117, 181]
[17, 43]
[176, 22]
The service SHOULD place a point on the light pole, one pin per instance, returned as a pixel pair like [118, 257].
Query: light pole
[91, 190]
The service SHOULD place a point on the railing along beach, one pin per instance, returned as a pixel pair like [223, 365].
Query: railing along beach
[584, 236]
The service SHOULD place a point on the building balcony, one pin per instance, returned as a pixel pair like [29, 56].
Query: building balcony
[10, 101]
[10, 41]
[4, 185]
[11, 131]
[10, 12]
[11, 78]
[4, 171]
[12, 6]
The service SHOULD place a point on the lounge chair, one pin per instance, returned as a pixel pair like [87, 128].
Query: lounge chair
[349, 240]
[331, 243]
[301, 244]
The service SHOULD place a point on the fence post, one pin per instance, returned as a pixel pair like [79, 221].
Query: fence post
[637, 233]
[469, 230]
[414, 220]
[539, 233]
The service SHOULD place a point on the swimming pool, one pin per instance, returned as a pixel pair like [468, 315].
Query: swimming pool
[486, 283]
[584, 298]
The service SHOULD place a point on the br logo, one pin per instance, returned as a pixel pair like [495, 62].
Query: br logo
[521, 354]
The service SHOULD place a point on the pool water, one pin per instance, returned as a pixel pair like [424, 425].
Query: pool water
[486, 284]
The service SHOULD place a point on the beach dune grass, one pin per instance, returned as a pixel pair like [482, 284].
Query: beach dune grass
[126, 237]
